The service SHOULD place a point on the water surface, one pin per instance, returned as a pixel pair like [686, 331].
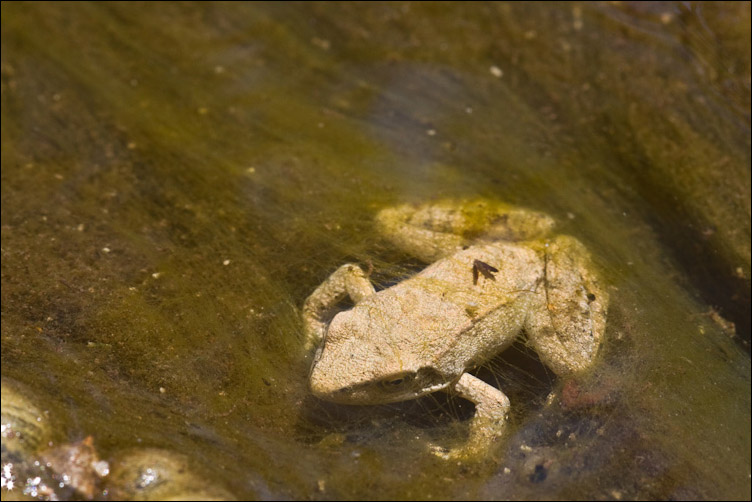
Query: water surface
[178, 178]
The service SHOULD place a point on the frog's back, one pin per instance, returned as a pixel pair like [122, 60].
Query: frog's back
[445, 315]
[511, 270]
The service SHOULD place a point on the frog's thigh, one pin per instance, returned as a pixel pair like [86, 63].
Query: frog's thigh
[491, 412]
[566, 323]
[347, 280]
[433, 231]
[425, 242]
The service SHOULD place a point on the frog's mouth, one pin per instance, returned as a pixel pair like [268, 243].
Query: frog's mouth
[400, 386]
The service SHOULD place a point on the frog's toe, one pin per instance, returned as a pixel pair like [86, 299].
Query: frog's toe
[464, 454]
[440, 451]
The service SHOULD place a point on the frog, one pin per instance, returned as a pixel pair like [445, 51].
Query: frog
[494, 273]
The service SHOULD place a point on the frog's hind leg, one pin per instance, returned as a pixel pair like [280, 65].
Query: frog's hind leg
[347, 280]
[488, 423]
[431, 231]
[421, 235]
[567, 320]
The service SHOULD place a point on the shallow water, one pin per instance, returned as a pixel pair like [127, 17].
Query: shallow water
[178, 178]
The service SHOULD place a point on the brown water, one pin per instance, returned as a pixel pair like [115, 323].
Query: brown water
[178, 178]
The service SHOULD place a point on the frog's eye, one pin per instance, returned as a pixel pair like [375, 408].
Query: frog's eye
[396, 382]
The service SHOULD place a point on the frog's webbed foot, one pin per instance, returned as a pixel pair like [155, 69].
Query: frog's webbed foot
[568, 319]
[347, 280]
[432, 231]
[486, 426]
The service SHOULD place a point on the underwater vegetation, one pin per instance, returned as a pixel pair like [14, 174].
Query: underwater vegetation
[177, 179]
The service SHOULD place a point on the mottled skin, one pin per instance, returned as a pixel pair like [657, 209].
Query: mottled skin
[425, 333]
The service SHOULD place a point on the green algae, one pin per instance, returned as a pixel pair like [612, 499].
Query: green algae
[177, 178]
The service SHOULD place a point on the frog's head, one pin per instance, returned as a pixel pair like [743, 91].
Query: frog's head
[354, 367]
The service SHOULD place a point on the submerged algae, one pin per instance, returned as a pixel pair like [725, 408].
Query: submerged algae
[177, 178]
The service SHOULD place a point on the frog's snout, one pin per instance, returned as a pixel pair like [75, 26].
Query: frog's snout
[319, 385]
[324, 385]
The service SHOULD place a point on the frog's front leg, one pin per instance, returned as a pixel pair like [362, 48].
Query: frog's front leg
[487, 425]
[347, 280]
[432, 231]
